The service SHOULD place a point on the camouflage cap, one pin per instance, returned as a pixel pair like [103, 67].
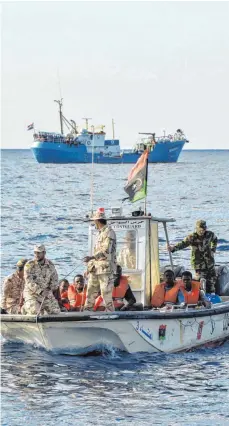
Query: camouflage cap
[40, 248]
[21, 263]
[99, 214]
[201, 224]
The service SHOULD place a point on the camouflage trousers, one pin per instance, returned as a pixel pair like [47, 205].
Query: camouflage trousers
[210, 276]
[96, 283]
[32, 306]
[14, 310]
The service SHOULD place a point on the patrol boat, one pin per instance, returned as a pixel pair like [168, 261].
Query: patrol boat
[84, 145]
[150, 330]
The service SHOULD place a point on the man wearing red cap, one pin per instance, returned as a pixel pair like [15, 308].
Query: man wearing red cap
[101, 267]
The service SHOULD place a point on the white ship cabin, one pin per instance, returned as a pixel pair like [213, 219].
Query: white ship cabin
[137, 250]
[99, 144]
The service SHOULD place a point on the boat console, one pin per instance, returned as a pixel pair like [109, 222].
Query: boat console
[137, 249]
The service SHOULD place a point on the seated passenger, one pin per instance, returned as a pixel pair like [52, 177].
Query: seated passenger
[120, 292]
[167, 291]
[61, 295]
[77, 293]
[127, 255]
[13, 286]
[190, 292]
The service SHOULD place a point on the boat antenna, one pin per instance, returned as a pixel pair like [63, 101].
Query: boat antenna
[60, 103]
[113, 129]
[86, 120]
[92, 168]
[58, 79]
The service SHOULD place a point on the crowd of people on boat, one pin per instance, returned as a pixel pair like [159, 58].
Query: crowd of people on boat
[69, 139]
[34, 288]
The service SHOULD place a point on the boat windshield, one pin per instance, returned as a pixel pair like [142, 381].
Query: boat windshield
[128, 256]
[126, 249]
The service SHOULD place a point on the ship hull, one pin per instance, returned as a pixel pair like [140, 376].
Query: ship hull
[49, 152]
[143, 331]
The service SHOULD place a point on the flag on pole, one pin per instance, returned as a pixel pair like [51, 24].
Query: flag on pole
[136, 186]
[30, 126]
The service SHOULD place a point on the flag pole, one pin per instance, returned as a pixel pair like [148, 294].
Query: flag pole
[146, 184]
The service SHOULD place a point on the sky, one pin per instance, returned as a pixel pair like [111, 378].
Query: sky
[148, 65]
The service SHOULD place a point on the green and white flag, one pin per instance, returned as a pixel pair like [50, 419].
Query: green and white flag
[136, 186]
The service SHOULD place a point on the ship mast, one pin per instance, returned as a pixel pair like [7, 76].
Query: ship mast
[113, 130]
[86, 120]
[60, 103]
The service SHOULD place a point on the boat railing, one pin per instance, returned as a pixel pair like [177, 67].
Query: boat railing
[55, 138]
[182, 307]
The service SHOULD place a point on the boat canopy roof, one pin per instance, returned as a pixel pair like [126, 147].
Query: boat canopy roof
[137, 217]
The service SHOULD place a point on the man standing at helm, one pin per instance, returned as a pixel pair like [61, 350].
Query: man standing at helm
[203, 244]
[101, 267]
[41, 280]
[127, 256]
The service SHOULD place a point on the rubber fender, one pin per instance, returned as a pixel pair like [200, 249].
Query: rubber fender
[222, 283]
[178, 270]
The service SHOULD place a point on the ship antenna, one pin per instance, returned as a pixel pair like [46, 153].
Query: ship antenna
[58, 78]
[86, 120]
[92, 169]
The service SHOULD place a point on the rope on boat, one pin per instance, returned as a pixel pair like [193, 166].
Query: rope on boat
[39, 311]
[73, 269]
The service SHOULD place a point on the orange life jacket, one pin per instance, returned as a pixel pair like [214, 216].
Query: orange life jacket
[191, 297]
[76, 299]
[99, 304]
[64, 295]
[119, 292]
[162, 296]
[118, 295]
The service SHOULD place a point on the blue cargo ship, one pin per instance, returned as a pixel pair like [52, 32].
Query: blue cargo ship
[85, 146]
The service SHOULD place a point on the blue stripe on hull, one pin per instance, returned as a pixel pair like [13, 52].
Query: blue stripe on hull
[49, 152]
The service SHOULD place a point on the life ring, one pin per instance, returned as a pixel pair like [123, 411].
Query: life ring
[88, 143]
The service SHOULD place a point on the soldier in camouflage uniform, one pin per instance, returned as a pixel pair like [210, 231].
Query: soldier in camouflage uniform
[13, 286]
[203, 244]
[101, 267]
[127, 255]
[41, 280]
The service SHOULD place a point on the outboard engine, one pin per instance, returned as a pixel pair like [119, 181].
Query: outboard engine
[222, 283]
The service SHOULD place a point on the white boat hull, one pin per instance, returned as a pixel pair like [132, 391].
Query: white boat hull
[147, 331]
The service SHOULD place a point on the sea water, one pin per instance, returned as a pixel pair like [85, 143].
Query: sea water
[45, 203]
